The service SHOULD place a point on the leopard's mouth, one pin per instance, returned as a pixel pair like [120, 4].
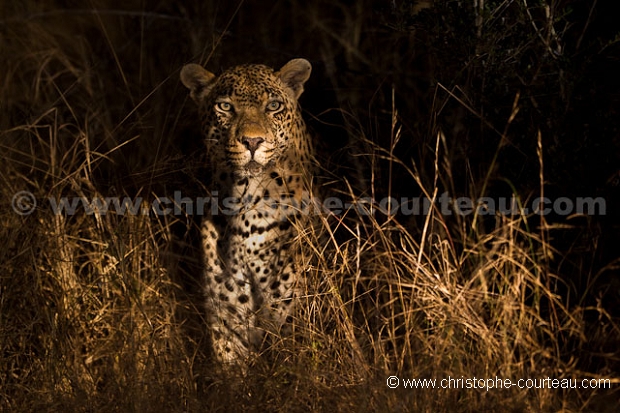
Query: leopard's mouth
[253, 168]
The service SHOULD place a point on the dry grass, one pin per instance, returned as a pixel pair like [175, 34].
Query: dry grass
[102, 312]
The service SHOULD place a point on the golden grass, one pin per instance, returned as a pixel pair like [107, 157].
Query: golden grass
[102, 312]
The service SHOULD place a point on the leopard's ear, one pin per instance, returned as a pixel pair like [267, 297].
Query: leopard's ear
[294, 74]
[197, 79]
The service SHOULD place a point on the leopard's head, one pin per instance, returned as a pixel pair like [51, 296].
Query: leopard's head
[250, 115]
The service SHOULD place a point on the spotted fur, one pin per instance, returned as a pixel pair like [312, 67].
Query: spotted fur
[260, 156]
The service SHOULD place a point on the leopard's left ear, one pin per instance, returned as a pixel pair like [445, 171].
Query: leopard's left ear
[294, 74]
[197, 79]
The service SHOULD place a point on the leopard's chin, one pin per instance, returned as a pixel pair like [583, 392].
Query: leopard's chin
[253, 168]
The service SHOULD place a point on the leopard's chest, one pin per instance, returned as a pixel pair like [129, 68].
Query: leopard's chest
[255, 227]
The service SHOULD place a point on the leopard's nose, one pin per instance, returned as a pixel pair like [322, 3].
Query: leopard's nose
[252, 143]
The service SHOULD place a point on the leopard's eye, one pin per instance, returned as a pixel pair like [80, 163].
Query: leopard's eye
[224, 106]
[274, 106]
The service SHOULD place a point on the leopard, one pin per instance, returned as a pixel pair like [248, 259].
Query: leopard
[260, 161]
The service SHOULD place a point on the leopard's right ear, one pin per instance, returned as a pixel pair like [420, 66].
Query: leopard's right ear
[197, 79]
